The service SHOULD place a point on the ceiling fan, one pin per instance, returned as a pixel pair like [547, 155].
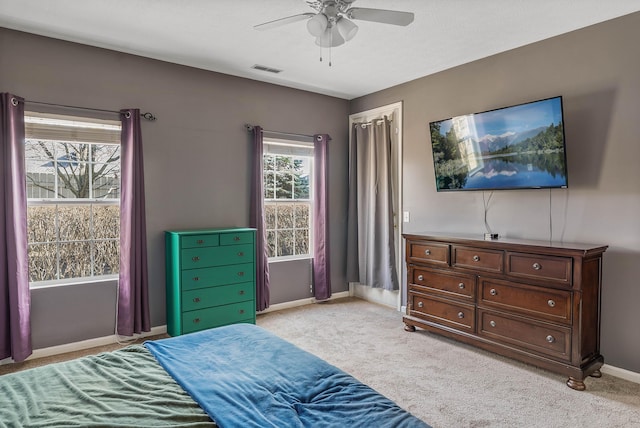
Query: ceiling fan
[331, 24]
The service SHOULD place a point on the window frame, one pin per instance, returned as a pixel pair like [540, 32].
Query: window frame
[294, 149]
[76, 130]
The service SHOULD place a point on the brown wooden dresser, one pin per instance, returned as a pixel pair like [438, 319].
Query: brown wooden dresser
[534, 301]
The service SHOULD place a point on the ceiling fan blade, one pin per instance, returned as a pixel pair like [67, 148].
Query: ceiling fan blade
[283, 21]
[384, 16]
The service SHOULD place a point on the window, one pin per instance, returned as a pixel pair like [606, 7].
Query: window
[73, 197]
[288, 192]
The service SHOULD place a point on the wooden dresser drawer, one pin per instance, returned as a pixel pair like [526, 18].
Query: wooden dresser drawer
[236, 238]
[216, 256]
[192, 279]
[549, 339]
[456, 315]
[477, 258]
[539, 302]
[197, 241]
[445, 283]
[428, 252]
[548, 268]
[216, 296]
[220, 315]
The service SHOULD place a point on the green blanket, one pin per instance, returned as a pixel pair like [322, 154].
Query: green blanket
[124, 388]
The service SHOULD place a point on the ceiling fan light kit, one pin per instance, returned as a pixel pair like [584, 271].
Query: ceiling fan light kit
[331, 25]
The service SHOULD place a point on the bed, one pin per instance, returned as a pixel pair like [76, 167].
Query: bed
[238, 376]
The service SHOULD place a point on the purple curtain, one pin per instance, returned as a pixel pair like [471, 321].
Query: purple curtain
[15, 297]
[321, 268]
[133, 286]
[257, 221]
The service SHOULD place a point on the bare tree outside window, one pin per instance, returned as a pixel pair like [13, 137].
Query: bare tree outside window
[73, 213]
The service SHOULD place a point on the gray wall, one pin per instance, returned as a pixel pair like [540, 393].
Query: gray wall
[196, 157]
[597, 71]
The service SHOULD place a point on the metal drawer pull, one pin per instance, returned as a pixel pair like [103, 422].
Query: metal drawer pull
[551, 303]
[493, 292]
[551, 339]
[196, 321]
[420, 277]
[240, 254]
[427, 252]
[492, 323]
[476, 258]
[236, 238]
[240, 273]
[537, 266]
[200, 241]
[420, 304]
[461, 286]
[196, 300]
[460, 315]
[196, 278]
[241, 311]
[241, 292]
[195, 259]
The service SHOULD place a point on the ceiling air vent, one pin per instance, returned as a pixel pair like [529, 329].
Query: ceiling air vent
[267, 69]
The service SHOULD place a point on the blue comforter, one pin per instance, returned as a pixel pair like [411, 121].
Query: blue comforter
[244, 376]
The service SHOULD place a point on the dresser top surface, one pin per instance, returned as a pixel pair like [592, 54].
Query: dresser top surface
[478, 240]
[211, 230]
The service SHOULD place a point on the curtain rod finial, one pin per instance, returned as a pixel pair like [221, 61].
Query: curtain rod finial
[249, 127]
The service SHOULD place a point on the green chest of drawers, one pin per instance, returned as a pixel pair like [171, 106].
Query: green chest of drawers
[210, 278]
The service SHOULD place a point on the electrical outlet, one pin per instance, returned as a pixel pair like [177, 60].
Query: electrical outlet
[405, 216]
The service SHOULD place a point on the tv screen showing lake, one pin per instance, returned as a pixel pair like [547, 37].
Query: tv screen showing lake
[511, 148]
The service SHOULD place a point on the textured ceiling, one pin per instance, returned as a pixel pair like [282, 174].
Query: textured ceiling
[218, 35]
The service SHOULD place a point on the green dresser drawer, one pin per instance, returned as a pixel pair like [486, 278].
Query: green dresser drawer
[216, 256]
[198, 241]
[217, 296]
[236, 238]
[218, 316]
[193, 279]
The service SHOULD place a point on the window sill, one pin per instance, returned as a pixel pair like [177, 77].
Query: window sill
[289, 259]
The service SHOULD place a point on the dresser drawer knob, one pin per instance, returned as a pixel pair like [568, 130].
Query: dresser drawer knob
[492, 323]
[195, 259]
[420, 277]
[551, 303]
[200, 241]
[236, 238]
[537, 266]
[476, 258]
[240, 254]
[427, 252]
[551, 339]
[420, 304]
[196, 278]
[493, 292]
[460, 315]
[196, 300]
[240, 273]
[241, 311]
[196, 321]
[461, 286]
[241, 292]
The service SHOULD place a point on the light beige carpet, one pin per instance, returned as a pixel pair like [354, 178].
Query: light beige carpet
[443, 382]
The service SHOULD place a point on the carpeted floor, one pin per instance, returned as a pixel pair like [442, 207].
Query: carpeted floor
[443, 382]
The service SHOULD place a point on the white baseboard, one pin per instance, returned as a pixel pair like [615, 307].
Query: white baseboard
[86, 344]
[621, 373]
[302, 302]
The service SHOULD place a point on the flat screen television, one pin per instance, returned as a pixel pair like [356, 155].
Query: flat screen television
[516, 147]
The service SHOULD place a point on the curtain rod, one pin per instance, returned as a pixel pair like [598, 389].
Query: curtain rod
[149, 116]
[250, 129]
